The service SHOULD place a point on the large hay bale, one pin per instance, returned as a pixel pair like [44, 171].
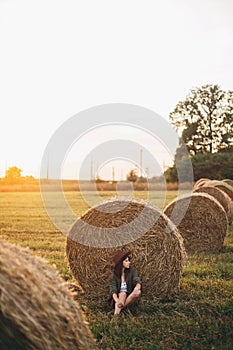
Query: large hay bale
[222, 185]
[203, 226]
[36, 309]
[157, 248]
[221, 197]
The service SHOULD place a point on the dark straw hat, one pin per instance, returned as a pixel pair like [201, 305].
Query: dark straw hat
[120, 256]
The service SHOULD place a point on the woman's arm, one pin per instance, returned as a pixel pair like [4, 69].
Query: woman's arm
[112, 286]
[117, 300]
[136, 278]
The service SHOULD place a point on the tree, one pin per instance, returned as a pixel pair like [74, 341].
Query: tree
[13, 173]
[132, 175]
[216, 166]
[205, 119]
[181, 170]
[171, 174]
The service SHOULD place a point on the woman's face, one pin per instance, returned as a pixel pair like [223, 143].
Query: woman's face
[126, 263]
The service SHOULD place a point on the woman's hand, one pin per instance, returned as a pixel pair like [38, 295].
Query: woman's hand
[118, 301]
[119, 304]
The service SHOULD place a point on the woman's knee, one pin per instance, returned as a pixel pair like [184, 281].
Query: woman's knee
[122, 296]
[137, 293]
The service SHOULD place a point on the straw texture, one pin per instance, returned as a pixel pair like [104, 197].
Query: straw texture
[157, 253]
[225, 187]
[221, 197]
[36, 309]
[203, 226]
[229, 182]
[199, 183]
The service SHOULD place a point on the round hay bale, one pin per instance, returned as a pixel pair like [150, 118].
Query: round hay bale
[203, 226]
[156, 245]
[222, 185]
[36, 309]
[228, 181]
[218, 194]
[199, 183]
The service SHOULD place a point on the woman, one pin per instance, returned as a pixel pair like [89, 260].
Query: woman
[124, 283]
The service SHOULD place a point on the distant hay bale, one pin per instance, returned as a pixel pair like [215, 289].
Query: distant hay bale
[203, 226]
[221, 197]
[230, 208]
[228, 181]
[199, 183]
[230, 212]
[225, 187]
[36, 309]
[157, 252]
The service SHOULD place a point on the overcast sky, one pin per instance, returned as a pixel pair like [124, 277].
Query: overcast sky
[61, 57]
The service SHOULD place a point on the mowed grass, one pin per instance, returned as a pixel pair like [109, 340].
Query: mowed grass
[198, 316]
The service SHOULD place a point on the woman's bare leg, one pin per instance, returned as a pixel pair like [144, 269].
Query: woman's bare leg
[122, 298]
[132, 298]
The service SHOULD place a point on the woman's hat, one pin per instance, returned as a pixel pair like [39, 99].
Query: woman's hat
[120, 256]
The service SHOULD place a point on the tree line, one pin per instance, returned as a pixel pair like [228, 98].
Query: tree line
[204, 121]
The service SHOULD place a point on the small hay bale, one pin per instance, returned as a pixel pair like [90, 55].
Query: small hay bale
[36, 309]
[221, 197]
[157, 252]
[222, 185]
[199, 183]
[203, 226]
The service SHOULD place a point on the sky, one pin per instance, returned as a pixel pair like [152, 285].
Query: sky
[59, 58]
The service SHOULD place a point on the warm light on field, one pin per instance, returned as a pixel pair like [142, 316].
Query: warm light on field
[200, 313]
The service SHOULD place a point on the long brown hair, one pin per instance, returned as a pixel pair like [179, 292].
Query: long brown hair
[118, 267]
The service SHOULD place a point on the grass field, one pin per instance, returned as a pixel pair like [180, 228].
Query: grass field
[199, 316]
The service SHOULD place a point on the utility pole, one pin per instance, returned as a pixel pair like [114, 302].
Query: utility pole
[141, 162]
[5, 167]
[113, 174]
[91, 170]
[164, 166]
[97, 171]
[47, 170]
